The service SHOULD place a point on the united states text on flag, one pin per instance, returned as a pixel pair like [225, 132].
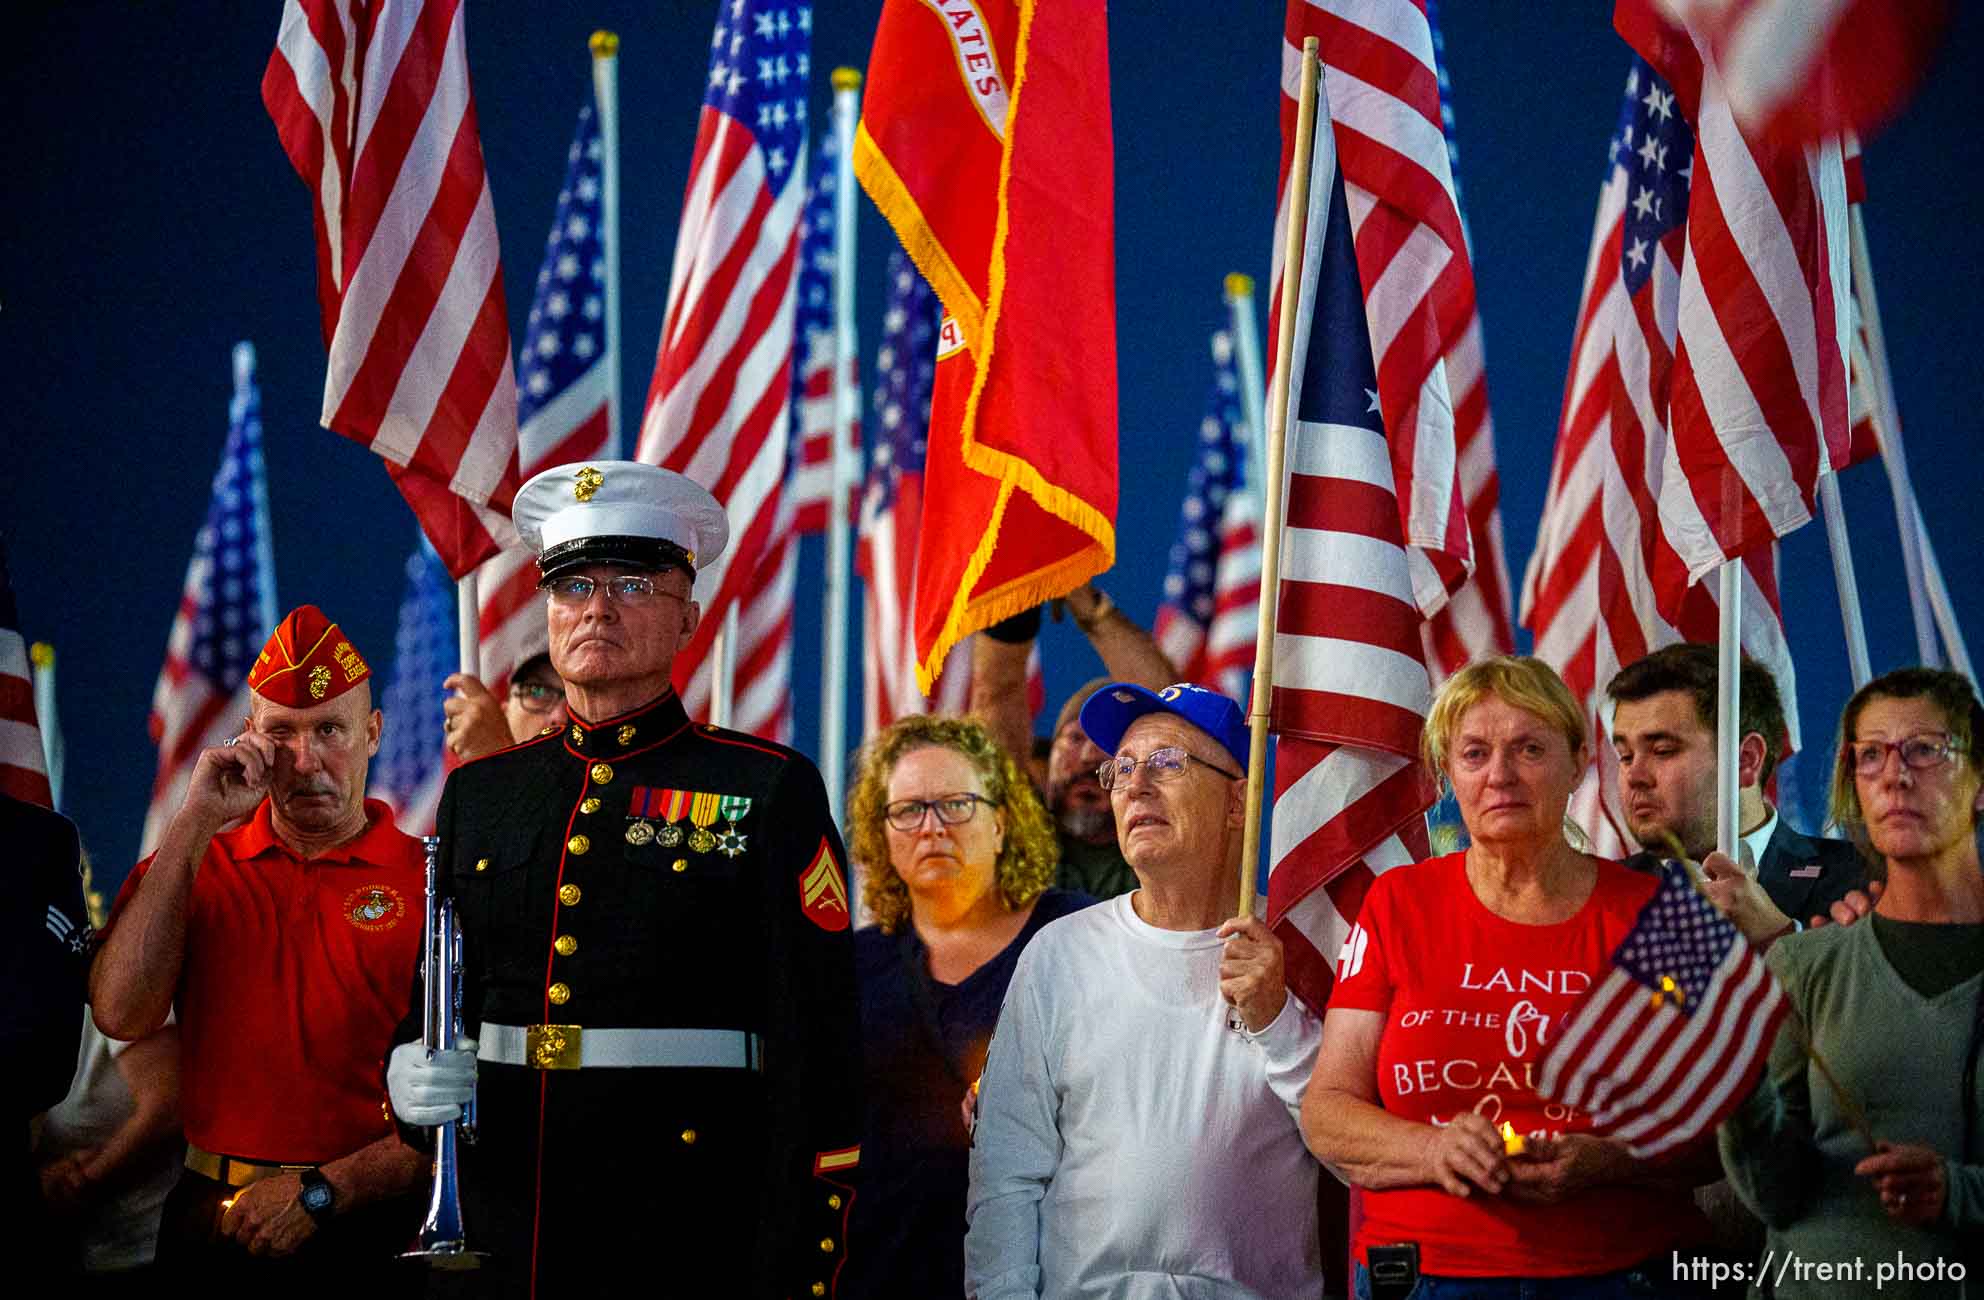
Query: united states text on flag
[1757, 405]
[1382, 84]
[412, 760]
[985, 140]
[1185, 617]
[718, 407]
[1675, 1035]
[811, 475]
[1589, 593]
[23, 766]
[1351, 688]
[371, 102]
[226, 610]
[565, 396]
[1798, 70]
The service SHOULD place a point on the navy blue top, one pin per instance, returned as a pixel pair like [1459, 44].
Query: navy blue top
[922, 1044]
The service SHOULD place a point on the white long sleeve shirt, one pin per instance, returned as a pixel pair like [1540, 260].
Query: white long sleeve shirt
[1130, 1143]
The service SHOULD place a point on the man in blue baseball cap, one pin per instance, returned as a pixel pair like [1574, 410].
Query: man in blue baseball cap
[1150, 1043]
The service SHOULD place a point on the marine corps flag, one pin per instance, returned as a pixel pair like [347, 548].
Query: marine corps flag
[985, 141]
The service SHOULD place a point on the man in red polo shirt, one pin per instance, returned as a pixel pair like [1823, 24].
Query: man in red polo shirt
[281, 912]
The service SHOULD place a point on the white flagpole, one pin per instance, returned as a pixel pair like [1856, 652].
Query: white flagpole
[833, 662]
[1271, 495]
[1247, 356]
[1728, 706]
[723, 654]
[1887, 431]
[42, 656]
[468, 625]
[606, 102]
[1843, 578]
[265, 551]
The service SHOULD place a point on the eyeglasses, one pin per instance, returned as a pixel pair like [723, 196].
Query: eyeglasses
[1167, 764]
[626, 589]
[537, 697]
[951, 810]
[1870, 757]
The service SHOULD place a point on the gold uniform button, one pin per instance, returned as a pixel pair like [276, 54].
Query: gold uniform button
[589, 806]
[680, 864]
[602, 773]
[578, 843]
[566, 945]
[482, 864]
[819, 1288]
[559, 994]
[826, 1245]
[688, 1137]
[568, 894]
[833, 1202]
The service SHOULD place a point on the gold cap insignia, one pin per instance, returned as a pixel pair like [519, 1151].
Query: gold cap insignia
[320, 681]
[589, 481]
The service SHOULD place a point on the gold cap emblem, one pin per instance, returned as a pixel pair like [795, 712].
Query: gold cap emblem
[320, 681]
[587, 481]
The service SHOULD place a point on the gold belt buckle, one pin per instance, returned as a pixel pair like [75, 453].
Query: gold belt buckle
[552, 1047]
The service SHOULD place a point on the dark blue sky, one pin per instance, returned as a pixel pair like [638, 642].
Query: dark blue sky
[151, 221]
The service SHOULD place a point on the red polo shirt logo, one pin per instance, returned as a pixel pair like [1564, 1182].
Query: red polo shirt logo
[374, 907]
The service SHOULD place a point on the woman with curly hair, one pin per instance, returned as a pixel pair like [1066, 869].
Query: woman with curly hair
[957, 856]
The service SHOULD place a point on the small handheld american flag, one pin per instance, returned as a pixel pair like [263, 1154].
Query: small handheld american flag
[1674, 1037]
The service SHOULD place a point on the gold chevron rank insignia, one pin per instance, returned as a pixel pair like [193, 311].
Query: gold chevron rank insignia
[823, 891]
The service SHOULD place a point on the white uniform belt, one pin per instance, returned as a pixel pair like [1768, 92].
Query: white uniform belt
[566, 1047]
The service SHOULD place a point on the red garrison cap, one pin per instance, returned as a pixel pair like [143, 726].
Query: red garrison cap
[306, 661]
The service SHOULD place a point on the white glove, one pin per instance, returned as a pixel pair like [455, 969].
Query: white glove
[428, 1091]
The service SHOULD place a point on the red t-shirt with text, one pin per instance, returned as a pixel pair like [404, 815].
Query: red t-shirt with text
[1471, 1003]
[297, 972]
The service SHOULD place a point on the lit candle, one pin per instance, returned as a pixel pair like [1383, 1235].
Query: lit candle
[1512, 1141]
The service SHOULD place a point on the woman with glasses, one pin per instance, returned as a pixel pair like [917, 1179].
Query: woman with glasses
[1895, 1006]
[1448, 989]
[956, 856]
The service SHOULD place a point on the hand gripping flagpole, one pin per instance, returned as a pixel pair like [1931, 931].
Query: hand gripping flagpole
[606, 102]
[1273, 488]
[833, 663]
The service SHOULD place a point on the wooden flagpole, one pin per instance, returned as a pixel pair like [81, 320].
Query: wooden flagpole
[1273, 488]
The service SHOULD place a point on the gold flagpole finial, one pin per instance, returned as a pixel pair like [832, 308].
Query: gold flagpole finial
[1239, 285]
[847, 79]
[604, 44]
[43, 654]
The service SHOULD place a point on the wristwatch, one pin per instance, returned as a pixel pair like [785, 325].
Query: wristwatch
[318, 1198]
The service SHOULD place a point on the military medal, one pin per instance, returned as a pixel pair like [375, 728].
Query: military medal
[702, 812]
[641, 831]
[733, 808]
[671, 806]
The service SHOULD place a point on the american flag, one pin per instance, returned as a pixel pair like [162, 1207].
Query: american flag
[1236, 597]
[23, 767]
[1757, 406]
[1351, 687]
[565, 396]
[761, 690]
[1798, 70]
[1381, 81]
[413, 751]
[1476, 621]
[1675, 1035]
[371, 102]
[718, 407]
[810, 478]
[1192, 595]
[1589, 592]
[227, 609]
[892, 509]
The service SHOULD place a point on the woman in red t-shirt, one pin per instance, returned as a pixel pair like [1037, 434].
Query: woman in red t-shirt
[1449, 989]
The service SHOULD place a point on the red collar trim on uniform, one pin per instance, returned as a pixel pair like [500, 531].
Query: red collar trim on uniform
[375, 843]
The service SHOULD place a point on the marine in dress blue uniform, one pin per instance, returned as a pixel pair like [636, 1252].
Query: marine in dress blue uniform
[658, 969]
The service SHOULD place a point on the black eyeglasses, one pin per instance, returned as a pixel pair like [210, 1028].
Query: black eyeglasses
[951, 810]
[625, 589]
[1931, 749]
[1167, 764]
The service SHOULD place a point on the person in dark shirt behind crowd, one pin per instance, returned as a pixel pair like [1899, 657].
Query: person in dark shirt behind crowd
[957, 858]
